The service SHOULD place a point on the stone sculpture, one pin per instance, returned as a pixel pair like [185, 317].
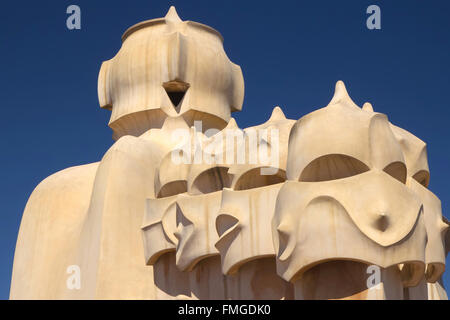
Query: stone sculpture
[185, 205]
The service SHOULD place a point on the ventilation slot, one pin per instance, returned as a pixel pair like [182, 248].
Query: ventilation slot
[176, 91]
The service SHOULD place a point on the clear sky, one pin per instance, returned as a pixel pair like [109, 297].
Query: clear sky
[291, 54]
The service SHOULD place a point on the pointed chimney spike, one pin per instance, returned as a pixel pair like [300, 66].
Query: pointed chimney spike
[232, 124]
[341, 95]
[277, 114]
[367, 107]
[172, 15]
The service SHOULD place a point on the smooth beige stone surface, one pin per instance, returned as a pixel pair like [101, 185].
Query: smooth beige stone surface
[346, 190]
[196, 232]
[322, 145]
[324, 223]
[50, 233]
[159, 218]
[436, 232]
[346, 280]
[184, 51]
[244, 226]
[268, 165]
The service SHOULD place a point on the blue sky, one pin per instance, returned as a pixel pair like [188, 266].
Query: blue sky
[291, 54]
